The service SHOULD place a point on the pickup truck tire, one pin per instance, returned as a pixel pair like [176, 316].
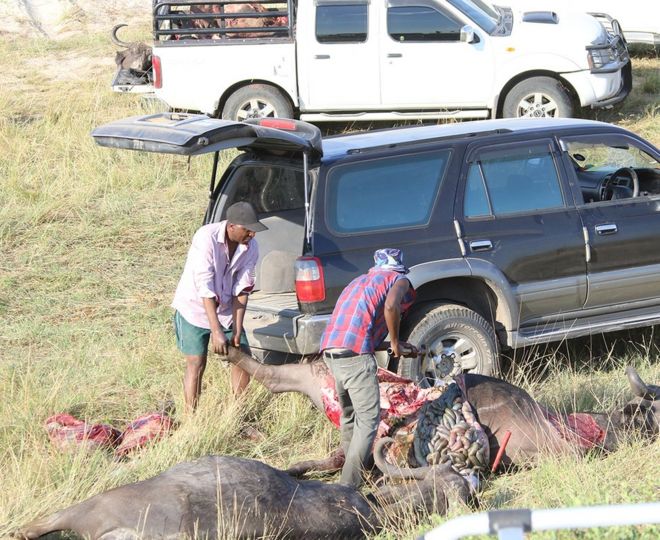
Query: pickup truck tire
[538, 97]
[446, 330]
[257, 101]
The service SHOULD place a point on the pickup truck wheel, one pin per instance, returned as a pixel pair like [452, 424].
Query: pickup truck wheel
[256, 101]
[538, 97]
[457, 340]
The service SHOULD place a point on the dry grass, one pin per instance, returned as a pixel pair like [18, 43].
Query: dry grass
[92, 244]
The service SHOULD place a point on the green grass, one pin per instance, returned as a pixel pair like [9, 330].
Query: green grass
[92, 243]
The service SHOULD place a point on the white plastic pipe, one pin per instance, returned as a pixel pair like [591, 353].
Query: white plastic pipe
[506, 522]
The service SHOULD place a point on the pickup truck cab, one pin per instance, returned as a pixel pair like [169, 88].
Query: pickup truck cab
[348, 60]
[516, 231]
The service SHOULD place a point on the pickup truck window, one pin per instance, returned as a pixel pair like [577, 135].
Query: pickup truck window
[341, 23]
[382, 194]
[522, 181]
[421, 23]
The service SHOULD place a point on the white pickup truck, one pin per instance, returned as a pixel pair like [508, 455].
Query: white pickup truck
[350, 60]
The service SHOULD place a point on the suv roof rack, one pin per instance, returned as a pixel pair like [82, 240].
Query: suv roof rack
[403, 144]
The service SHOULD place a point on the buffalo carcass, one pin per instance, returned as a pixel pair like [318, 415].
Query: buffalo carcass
[497, 405]
[243, 498]
[229, 20]
[134, 62]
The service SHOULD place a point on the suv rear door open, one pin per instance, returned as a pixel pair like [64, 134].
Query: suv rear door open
[271, 174]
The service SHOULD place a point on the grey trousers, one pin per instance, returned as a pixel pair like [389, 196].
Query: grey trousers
[359, 399]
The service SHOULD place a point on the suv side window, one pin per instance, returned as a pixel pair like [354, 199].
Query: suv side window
[512, 179]
[376, 194]
[612, 167]
[421, 23]
[341, 23]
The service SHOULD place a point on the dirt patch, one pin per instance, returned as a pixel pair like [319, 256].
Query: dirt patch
[59, 19]
[72, 66]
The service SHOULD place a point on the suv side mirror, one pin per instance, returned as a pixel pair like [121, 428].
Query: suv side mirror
[468, 35]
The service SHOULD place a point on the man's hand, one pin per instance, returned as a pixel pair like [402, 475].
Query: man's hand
[402, 348]
[219, 343]
[236, 340]
[410, 351]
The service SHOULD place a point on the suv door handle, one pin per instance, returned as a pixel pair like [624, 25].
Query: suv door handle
[394, 55]
[481, 245]
[608, 228]
[322, 56]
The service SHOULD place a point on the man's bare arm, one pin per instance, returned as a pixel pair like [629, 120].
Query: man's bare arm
[239, 305]
[393, 312]
[218, 339]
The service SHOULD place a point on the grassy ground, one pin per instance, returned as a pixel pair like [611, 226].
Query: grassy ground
[92, 243]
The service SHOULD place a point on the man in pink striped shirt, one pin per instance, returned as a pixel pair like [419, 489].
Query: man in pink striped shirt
[212, 295]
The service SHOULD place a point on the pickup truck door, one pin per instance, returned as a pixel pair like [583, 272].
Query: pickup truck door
[424, 63]
[338, 55]
[516, 216]
[623, 230]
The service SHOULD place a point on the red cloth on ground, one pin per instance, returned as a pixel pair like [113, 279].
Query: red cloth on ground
[146, 428]
[67, 433]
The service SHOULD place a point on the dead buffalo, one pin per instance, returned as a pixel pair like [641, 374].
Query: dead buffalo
[242, 498]
[497, 405]
[134, 62]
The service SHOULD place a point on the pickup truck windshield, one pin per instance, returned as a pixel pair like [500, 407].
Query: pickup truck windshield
[479, 12]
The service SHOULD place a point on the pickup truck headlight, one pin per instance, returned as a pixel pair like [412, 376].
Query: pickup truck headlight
[601, 57]
[607, 57]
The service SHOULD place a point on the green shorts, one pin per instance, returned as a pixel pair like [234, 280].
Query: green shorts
[193, 340]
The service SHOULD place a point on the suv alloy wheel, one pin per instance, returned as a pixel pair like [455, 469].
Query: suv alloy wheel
[457, 340]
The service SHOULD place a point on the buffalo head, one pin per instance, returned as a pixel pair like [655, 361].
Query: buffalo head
[642, 413]
[136, 56]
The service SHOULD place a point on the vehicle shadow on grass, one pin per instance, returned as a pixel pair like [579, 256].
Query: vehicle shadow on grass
[598, 352]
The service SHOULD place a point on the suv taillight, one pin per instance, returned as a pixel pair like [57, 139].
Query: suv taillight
[158, 74]
[310, 286]
[278, 123]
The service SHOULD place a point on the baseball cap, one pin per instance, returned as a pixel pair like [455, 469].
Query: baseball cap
[242, 213]
[389, 259]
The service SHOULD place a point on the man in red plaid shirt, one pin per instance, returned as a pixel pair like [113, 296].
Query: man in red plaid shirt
[368, 309]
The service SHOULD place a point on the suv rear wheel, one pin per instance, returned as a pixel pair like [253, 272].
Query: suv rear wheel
[257, 101]
[457, 340]
[538, 97]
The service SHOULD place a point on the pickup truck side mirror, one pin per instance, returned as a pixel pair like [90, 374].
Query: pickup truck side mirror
[468, 35]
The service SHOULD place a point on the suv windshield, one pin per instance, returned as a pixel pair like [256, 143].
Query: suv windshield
[482, 14]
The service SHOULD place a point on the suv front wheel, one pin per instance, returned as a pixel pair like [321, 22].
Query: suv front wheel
[457, 340]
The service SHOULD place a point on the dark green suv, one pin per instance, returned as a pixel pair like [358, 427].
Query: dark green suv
[517, 232]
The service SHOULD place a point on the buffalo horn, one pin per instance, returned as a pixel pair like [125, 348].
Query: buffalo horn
[404, 473]
[639, 387]
[115, 39]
